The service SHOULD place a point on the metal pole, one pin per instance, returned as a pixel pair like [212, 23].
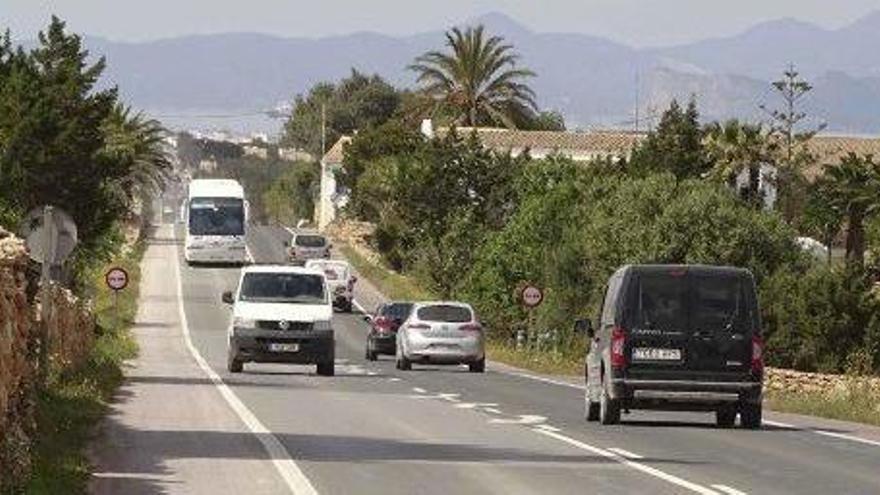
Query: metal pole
[45, 286]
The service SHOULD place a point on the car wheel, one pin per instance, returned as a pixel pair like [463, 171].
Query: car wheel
[750, 415]
[233, 364]
[591, 408]
[609, 409]
[370, 354]
[327, 368]
[478, 366]
[403, 363]
[725, 417]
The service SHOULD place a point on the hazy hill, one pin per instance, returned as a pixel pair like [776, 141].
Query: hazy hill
[591, 80]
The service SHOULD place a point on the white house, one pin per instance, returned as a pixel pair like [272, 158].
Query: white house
[330, 198]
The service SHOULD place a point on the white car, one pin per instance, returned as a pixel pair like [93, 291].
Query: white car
[306, 246]
[281, 314]
[441, 333]
[340, 281]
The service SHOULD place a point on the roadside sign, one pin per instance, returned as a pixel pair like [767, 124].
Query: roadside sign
[50, 234]
[116, 278]
[532, 296]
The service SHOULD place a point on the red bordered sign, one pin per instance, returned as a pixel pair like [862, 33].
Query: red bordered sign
[116, 278]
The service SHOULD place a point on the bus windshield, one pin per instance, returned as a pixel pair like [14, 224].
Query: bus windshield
[216, 216]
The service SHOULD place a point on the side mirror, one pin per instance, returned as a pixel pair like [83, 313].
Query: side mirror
[354, 278]
[227, 297]
[368, 318]
[584, 326]
[286, 243]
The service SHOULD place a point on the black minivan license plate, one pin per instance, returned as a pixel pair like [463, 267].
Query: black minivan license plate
[656, 354]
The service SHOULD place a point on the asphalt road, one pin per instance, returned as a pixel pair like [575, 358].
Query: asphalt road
[374, 429]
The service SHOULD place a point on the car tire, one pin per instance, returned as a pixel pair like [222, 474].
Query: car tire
[404, 364]
[477, 366]
[725, 417]
[327, 368]
[591, 408]
[751, 416]
[609, 409]
[233, 364]
[370, 354]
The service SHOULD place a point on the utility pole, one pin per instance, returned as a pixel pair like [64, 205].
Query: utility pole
[323, 129]
[637, 100]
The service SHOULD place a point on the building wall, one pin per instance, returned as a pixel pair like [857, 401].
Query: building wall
[326, 208]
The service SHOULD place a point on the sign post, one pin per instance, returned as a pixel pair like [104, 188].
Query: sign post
[531, 297]
[116, 279]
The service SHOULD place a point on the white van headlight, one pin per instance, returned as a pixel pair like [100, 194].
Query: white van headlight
[322, 326]
[240, 322]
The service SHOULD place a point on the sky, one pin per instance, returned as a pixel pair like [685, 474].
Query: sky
[639, 23]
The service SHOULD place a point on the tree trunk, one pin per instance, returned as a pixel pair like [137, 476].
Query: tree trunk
[855, 237]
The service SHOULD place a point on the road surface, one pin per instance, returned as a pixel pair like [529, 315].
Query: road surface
[185, 425]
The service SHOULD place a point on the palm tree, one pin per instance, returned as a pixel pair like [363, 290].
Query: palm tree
[478, 82]
[135, 144]
[853, 187]
[734, 147]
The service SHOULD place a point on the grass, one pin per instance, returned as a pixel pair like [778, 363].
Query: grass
[75, 401]
[394, 285]
[858, 404]
[551, 363]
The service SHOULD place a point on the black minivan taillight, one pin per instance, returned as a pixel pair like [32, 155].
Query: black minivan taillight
[757, 355]
[618, 348]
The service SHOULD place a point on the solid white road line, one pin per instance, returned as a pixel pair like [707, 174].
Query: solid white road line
[625, 453]
[522, 419]
[492, 410]
[843, 436]
[542, 379]
[290, 472]
[670, 478]
[418, 390]
[728, 490]
[825, 433]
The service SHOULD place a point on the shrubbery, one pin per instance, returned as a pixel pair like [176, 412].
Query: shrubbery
[475, 225]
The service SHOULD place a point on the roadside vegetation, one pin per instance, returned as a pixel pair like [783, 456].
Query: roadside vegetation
[65, 141]
[75, 400]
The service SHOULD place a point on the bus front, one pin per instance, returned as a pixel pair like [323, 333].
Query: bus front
[215, 230]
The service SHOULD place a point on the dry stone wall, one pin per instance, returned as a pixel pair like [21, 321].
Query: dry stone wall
[71, 332]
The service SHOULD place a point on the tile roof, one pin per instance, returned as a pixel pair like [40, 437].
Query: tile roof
[589, 142]
[335, 154]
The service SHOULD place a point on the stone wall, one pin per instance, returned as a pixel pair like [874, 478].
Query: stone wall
[790, 381]
[17, 369]
[71, 332]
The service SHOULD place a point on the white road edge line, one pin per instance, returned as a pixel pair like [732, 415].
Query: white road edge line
[844, 436]
[675, 480]
[728, 490]
[290, 472]
[419, 390]
[826, 433]
[542, 379]
[625, 453]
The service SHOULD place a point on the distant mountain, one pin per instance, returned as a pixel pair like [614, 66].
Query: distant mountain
[591, 80]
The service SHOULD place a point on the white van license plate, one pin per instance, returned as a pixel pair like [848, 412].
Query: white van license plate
[279, 347]
[655, 354]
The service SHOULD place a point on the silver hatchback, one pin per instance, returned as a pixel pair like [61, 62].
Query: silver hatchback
[441, 333]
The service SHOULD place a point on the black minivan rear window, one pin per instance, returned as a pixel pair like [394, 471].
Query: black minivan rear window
[697, 302]
[661, 302]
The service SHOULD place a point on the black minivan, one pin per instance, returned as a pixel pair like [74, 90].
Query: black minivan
[676, 337]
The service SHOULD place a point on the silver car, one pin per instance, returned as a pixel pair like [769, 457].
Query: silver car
[441, 333]
[306, 246]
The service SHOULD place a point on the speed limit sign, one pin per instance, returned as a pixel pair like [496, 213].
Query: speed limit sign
[116, 278]
[532, 296]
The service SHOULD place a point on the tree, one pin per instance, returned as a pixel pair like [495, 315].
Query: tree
[676, 146]
[788, 127]
[355, 103]
[478, 81]
[546, 121]
[135, 144]
[853, 188]
[52, 132]
[735, 147]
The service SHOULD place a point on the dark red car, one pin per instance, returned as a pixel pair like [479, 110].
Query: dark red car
[382, 338]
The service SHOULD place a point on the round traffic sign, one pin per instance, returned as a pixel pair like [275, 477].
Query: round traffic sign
[532, 296]
[116, 278]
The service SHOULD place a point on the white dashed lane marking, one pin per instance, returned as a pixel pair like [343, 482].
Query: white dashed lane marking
[625, 453]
